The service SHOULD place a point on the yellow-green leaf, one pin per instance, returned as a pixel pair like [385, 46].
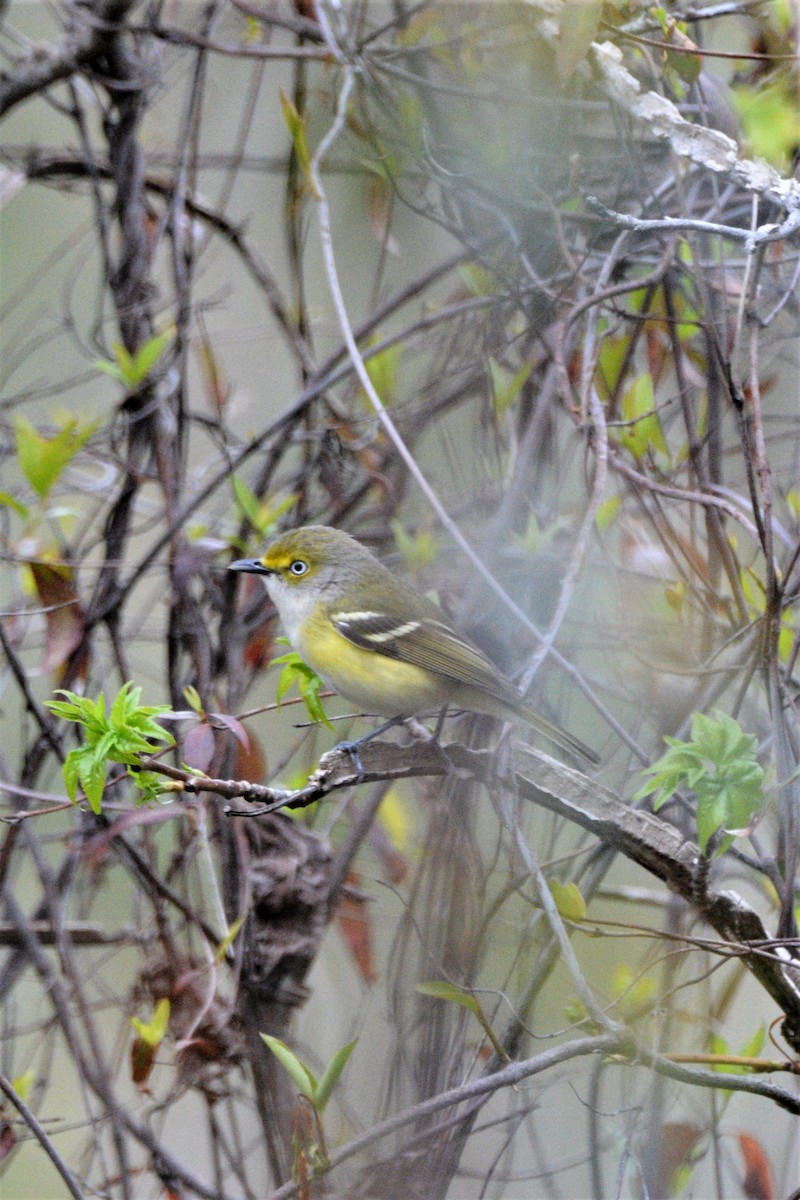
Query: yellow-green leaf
[297, 130]
[297, 1070]
[23, 1083]
[42, 459]
[569, 900]
[152, 1032]
[506, 385]
[441, 990]
[228, 940]
[607, 512]
[642, 433]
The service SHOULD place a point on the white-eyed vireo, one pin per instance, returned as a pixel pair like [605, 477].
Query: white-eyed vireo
[377, 640]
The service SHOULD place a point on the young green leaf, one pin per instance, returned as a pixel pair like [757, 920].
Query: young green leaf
[643, 432]
[42, 459]
[330, 1076]
[719, 765]
[298, 673]
[297, 130]
[607, 512]
[418, 549]
[441, 990]
[298, 1072]
[507, 385]
[569, 900]
[131, 370]
[382, 371]
[154, 1031]
[127, 732]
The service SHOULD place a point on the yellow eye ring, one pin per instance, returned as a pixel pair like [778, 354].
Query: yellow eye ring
[298, 567]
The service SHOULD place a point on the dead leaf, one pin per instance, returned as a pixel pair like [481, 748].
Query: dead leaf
[198, 747]
[251, 762]
[64, 614]
[8, 1139]
[757, 1183]
[381, 199]
[355, 924]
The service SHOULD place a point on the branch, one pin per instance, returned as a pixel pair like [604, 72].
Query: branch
[709, 148]
[38, 1131]
[475, 1090]
[85, 34]
[641, 836]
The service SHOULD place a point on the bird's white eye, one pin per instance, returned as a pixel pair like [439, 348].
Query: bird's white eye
[298, 567]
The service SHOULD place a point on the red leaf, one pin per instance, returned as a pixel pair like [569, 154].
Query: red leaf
[757, 1183]
[198, 746]
[142, 1058]
[251, 762]
[356, 929]
[8, 1139]
[235, 726]
[678, 1142]
[381, 198]
[64, 616]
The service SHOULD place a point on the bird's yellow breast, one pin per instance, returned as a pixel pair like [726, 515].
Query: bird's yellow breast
[373, 681]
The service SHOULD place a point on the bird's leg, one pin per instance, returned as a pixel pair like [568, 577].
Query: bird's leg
[437, 743]
[352, 748]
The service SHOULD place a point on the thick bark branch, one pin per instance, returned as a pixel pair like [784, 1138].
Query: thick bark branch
[641, 836]
[83, 38]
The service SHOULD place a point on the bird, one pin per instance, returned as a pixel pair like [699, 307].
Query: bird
[379, 641]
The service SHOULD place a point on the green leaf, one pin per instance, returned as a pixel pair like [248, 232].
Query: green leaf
[263, 515]
[534, 539]
[330, 1076]
[151, 787]
[770, 120]
[154, 1031]
[132, 370]
[636, 993]
[710, 818]
[720, 766]
[418, 549]
[247, 501]
[441, 990]
[613, 358]
[9, 501]
[751, 1049]
[23, 1083]
[569, 900]
[91, 769]
[147, 357]
[298, 673]
[477, 279]
[129, 730]
[382, 371]
[298, 1072]
[192, 698]
[297, 130]
[643, 434]
[229, 939]
[42, 459]
[607, 512]
[506, 385]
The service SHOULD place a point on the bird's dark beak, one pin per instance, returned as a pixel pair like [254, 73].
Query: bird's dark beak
[253, 566]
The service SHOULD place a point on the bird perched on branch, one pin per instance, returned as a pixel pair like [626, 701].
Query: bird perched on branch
[378, 641]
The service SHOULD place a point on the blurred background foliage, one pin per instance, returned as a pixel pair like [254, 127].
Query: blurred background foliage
[537, 217]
